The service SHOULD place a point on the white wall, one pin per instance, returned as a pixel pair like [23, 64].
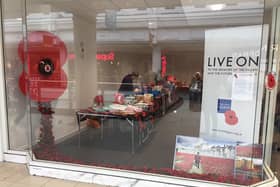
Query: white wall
[86, 66]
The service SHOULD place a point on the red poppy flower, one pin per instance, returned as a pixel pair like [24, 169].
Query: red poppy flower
[270, 81]
[44, 79]
[231, 118]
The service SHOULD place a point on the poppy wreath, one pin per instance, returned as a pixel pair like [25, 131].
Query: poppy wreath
[43, 79]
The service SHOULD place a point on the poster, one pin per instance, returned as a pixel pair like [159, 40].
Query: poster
[202, 156]
[233, 79]
[249, 160]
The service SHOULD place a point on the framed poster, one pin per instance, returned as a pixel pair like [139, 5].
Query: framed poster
[249, 160]
[202, 156]
[233, 81]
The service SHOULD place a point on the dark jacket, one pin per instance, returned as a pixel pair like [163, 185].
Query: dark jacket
[127, 84]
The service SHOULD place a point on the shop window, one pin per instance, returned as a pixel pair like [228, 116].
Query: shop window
[164, 88]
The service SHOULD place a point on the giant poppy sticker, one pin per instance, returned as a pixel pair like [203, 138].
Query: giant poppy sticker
[44, 79]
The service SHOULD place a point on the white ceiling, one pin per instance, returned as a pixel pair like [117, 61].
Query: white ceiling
[89, 8]
[119, 4]
[115, 4]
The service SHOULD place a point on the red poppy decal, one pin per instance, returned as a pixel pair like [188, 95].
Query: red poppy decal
[44, 75]
[231, 118]
[270, 81]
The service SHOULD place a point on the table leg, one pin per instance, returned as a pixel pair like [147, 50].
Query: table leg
[102, 128]
[131, 123]
[132, 138]
[163, 104]
[139, 135]
[79, 125]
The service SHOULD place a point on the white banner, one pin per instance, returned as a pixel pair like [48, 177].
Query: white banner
[233, 81]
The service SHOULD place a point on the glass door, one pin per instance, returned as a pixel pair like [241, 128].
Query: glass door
[15, 104]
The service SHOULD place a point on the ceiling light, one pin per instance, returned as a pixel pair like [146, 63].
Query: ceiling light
[216, 7]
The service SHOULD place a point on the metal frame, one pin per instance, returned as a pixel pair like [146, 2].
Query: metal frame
[62, 171]
[60, 167]
[271, 96]
[3, 117]
[5, 153]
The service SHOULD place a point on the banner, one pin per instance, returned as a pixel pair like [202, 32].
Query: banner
[233, 81]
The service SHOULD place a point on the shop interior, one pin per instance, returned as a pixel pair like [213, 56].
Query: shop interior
[123, 58]
[176, 115]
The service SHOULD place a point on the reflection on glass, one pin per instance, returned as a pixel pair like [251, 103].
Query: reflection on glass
[119, 86]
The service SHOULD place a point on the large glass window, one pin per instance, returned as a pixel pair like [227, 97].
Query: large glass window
[165, 87]
[16, 102]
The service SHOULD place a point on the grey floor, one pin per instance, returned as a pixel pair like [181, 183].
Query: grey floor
[115, 148]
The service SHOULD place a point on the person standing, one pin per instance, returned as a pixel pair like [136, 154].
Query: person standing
[197, 160]
[127, 86]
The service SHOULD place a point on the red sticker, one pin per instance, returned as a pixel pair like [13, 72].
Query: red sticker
[231, 118]
[46, 83]
[270, 81]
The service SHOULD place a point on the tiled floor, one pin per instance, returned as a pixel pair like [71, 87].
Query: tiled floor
[16, 175]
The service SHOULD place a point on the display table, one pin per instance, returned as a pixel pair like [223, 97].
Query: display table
[137, 120]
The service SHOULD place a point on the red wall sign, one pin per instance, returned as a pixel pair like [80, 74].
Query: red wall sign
[163, 66]
[105, 57]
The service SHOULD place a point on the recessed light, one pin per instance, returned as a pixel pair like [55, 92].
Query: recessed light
[216, 7]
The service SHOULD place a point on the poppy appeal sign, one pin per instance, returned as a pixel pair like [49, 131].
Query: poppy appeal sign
[233, 79]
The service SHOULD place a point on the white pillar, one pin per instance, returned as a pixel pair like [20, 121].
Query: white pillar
[86, 65]
[156, 67]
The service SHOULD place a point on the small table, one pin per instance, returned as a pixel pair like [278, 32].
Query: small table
[131, 119]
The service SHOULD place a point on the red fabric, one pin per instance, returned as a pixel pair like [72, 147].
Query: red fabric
[119, 98]
[99, 100]
[38, 87]
[163, 66]
[52, 154]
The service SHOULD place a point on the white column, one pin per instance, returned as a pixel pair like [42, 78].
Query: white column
[85, 64]
[156, 67]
